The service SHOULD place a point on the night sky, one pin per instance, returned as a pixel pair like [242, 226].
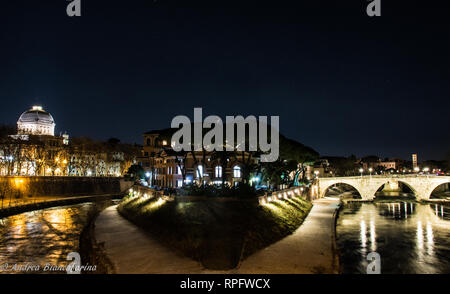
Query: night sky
[341, 82]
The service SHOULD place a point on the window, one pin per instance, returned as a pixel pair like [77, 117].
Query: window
[148, 142]
[218, 172]
[199, 171]
[178, 170]
[237, 171]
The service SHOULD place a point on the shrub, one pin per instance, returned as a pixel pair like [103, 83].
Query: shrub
[241, 191]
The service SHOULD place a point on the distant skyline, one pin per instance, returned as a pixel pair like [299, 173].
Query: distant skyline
[341, 82]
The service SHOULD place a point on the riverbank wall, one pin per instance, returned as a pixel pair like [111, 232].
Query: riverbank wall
[61, 186]
[13, 210]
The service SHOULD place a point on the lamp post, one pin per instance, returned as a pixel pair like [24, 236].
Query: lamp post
[361, 171]
[370, 172]
[316, 173]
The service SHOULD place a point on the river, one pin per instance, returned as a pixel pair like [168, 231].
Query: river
[410, 238]
[43, 237]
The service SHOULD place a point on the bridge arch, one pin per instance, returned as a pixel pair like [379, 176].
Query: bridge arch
[408, 185]
[435, 186]
[324, 189]
[367, 186]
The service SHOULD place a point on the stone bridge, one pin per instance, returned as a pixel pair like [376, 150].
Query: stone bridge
[367, 186]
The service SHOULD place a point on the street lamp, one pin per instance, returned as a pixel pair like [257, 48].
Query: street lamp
[417, 169]
[361, 171]
[370, 171]
[316, 172]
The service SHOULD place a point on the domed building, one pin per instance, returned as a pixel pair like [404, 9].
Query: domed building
[36, 121]
[39, 152]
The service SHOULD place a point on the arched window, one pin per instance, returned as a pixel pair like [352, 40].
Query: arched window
[218, 171]
[148, 142]
[199, 171]
[237, 171]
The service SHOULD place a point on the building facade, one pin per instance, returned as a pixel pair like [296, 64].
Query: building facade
[169, 169]
[36, 151]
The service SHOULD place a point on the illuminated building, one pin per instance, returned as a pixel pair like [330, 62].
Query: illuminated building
[36, 151]
[36, 121]
[169, 169]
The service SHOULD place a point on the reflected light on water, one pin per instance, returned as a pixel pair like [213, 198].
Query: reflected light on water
[419, 240]
[43, 236]
[363, 237]
[18, 225]
[419, 234]
[373, 243]
[410, 237]
[430, 239]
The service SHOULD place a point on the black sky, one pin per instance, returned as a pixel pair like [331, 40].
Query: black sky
[341, 82]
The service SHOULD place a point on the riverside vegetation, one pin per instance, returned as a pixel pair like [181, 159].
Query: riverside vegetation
[219, 234]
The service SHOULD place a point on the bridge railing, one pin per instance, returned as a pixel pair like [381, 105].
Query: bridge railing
[381, 176]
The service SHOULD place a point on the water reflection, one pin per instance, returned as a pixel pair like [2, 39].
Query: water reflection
[410, 237]
[43, 236]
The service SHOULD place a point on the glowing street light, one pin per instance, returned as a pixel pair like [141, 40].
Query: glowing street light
[370, 171]
[361, 171]
[417, 169]
[316, 172]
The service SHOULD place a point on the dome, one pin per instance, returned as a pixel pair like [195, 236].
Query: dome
[36, 121]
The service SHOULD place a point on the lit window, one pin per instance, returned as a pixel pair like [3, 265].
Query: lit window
[200, 171]
[237, 171]
[218, 171]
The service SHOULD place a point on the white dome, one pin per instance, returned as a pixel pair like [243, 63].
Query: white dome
[36, 121]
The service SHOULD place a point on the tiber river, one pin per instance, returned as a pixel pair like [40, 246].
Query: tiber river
[411, 238]
[43, 237]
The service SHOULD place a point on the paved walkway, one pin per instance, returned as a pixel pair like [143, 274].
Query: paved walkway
[308, 250]
[134, 251]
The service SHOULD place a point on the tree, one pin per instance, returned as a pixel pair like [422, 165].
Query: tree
[113, 142]
[294, 157]
[135, 172]
[7, 130]
[371, 159]
[344, 166]
[277, 173]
